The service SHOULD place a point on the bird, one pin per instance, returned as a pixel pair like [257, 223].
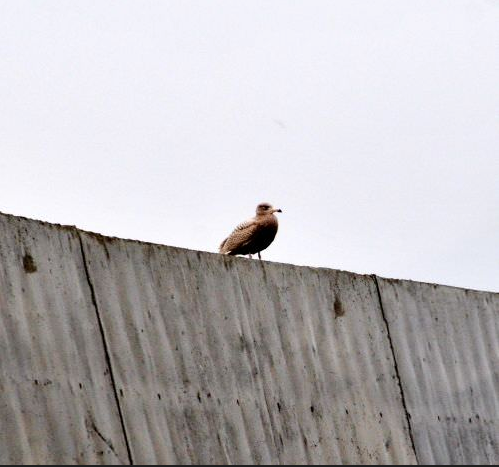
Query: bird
[254, 235]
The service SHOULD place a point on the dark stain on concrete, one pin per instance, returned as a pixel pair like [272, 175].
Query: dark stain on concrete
[338, 308]
[29, 264]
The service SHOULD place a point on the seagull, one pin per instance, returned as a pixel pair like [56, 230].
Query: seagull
[254, 235]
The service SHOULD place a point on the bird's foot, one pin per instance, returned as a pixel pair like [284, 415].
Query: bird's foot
[250, 256]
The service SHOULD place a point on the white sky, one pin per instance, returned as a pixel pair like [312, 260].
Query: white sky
[373, 124]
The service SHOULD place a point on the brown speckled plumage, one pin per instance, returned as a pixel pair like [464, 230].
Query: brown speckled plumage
[254, 235]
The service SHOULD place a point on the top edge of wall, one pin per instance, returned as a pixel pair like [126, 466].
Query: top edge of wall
[110, 238]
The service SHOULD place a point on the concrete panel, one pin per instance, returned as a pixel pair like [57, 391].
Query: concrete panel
[446, 343]
[228, 360]
[57, 404]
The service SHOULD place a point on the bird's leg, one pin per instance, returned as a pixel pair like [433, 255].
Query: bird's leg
[259, 256]
[250, 256]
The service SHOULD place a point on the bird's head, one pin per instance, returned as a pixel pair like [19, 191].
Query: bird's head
[266, 208]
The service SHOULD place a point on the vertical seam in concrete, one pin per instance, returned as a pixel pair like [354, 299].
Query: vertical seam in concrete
[106, 349]
[399, 381]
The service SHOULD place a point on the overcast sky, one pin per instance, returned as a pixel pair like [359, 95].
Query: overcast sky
[373, 124]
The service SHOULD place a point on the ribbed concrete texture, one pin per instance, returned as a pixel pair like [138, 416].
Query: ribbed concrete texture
[57, 403]
[220, 359]
[115, 351]
[447, 349]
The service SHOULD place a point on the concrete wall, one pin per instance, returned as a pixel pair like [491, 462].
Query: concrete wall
[446, 344]
[115, 351]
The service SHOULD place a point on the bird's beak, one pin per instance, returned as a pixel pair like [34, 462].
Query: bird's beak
[277, 210]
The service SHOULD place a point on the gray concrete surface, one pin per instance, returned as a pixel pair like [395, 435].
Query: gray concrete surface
[56, 399]
[231, 360]
[447, 350]
[115, 351]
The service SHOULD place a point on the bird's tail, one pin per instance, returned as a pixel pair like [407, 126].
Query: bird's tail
[222, 249]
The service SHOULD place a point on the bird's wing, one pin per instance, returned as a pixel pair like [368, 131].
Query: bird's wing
[240, 236]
